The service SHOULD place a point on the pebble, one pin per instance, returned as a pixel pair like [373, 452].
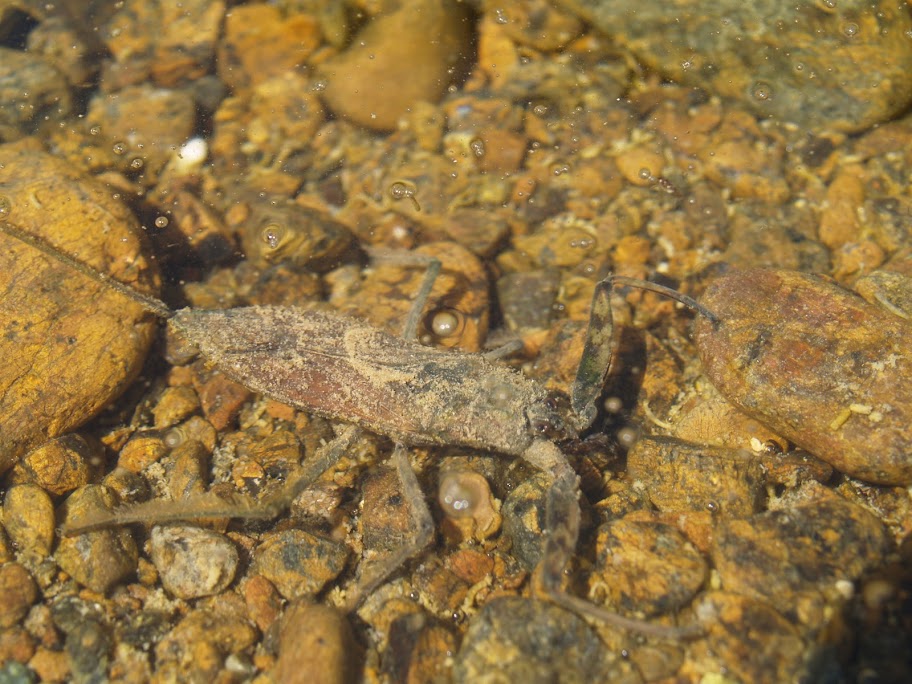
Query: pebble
[146, 123]
[260, 42]
[788, 63]
[30, 90]
[682, 476]
[399, 59]
[28, 516]
[749, 639]
[298, 563]
[60, 465]
[812, 540]
[193, 562]
[316, 646]
[646, 568]
[17, 593]
[419, 649]
[523, 514]
[175, 405]
[66, 356]
[196, 648]
[98, 560]
[516, 639]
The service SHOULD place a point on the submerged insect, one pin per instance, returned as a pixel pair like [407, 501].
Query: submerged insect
[344, 369]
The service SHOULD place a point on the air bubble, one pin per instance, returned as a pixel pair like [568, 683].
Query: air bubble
[446, 323]
[627, 436]
[400, 190]
[161, 221]
[614, 404]
[460, 493]
[119, 148]
[136, 163]
[762, 91]
[273, 234]
[478, 147]
[850, 30]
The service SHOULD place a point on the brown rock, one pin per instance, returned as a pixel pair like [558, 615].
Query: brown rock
[66, 354]
[681, 476]
[316, 646]
[101, 559]
[17, 593]
[260, 43]
[647, 568]
[28, 516]
[298, 563]
[814, 64]
[398, 59]
[32, 91]
[60, 465]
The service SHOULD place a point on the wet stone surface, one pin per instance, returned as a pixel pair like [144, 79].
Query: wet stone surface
[289, 154]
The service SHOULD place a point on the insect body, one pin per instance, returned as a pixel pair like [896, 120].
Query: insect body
[344, 369]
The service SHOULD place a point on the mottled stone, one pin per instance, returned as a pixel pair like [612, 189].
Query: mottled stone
[515, 639]
[17, 593]
[813, 539]
[681, 476]
[316, 646]
[101, 559]
[193, 562]
[840, 66]
[298, 563]
[646, 568]
[28, 516]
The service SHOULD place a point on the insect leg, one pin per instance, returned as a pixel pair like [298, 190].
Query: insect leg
[562, 520]
[599, 346]
[211, 506]
[432, 266]
[422, 522]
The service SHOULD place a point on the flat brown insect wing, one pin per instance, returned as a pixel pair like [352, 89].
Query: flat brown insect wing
[342, 368]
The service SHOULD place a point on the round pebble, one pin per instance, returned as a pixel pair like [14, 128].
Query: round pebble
[17, 593]
[316, 646]
[399, 59]
[193, 562]
[98, 560]
[298, 563]
[28, 516]
[516, 639]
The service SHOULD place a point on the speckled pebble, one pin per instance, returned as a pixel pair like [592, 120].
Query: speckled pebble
[647, 568]
[60, 465]
[28, 516]
[316, 646]
[680, 476]
[812, 540]
[17, 593]
[98, 560]
[196, 648]
[298, 563]
[193, 562]
[524, 640]
[175, 405]
[524, 519]
[749, 639]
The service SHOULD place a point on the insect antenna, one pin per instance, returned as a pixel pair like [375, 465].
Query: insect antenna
[689, 302]
[156, 306]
